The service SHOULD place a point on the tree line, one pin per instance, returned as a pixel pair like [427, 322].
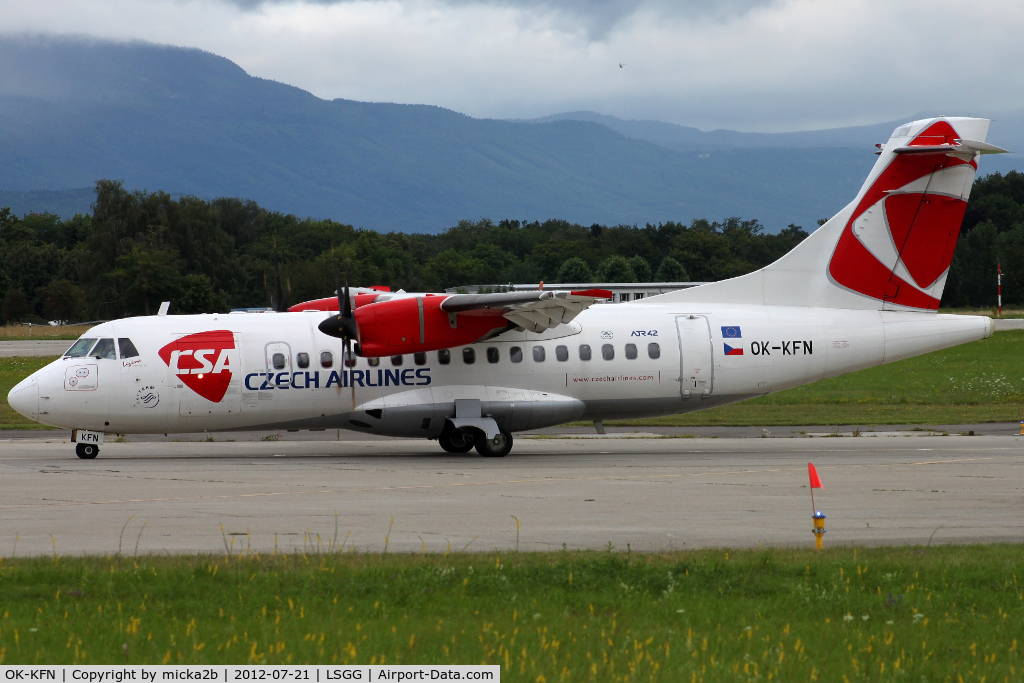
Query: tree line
[137, 249]
[992, 233]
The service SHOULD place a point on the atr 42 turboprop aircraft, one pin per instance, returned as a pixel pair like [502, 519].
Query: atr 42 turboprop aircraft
[469, 370]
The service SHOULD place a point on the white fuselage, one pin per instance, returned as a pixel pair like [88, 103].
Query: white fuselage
[262, 384]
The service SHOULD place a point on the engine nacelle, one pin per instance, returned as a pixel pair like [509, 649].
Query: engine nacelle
[331, 303]
[413, 324]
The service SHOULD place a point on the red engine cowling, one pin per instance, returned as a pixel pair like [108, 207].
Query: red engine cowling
[331, 303]
[413, 324]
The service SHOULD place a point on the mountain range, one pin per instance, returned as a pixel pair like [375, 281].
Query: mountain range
[185, 121]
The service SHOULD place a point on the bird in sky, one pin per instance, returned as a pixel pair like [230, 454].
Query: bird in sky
[621, 65]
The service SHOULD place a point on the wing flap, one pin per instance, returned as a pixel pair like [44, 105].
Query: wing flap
[535, 311]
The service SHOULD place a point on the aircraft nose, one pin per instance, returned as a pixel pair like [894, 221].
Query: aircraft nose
[24, 397]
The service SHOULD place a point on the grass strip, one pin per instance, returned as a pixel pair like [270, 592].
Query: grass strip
[748, 414]
[26, 333]
[944, 613]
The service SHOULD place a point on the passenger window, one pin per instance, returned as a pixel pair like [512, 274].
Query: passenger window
[303, 360]
[653, 350]
[278, 360]
[492, 354]
[444, 356]
[584, 351]
[326, 359]
[515, 354]
[468, 355]
[128, 349]
[631, 351]
[373, 362]
[607, 351]
[538, 354]
[562, 353]
[104, 349]
[396, 360]
[419, 358]
[80, 348]
[350, 359]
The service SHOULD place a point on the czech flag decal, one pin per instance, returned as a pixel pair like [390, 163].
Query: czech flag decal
[733, 350]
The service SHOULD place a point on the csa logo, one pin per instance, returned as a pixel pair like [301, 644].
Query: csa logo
[203, 362]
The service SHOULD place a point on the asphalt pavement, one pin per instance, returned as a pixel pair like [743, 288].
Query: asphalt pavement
[645, 493]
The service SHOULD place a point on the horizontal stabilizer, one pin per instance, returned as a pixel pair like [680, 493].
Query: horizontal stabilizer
[966, 147]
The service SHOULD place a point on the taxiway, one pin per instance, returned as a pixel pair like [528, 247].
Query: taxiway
[645, 493]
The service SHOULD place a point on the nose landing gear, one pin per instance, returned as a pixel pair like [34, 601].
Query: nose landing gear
[496, 447]
[87, 451]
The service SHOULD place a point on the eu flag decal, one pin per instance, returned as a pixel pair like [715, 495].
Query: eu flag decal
[731, 332]
[733, 350]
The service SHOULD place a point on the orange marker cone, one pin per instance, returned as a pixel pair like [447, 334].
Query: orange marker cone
[817, 516]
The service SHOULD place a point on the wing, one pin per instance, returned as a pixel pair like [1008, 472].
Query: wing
[534, 311]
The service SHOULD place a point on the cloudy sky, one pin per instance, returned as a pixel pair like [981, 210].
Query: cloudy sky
[746, 64]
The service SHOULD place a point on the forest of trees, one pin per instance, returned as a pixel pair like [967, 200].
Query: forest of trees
[137, 249]
[992, 232]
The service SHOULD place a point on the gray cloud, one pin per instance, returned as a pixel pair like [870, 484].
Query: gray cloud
[743, 64]
[596, 17]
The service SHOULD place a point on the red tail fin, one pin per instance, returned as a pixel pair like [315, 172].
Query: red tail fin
[898, 243]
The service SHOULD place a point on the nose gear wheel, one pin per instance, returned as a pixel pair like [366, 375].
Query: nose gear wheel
[497, 447]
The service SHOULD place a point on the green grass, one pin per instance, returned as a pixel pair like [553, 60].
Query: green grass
[978, 382]
[990, 311]
[947, 613]
[25, 333]
[12, 371]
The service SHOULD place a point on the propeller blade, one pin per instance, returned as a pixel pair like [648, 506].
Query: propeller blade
[347, 345]
[346, 303]
[337, 288]
[343, 325]
[277, 278]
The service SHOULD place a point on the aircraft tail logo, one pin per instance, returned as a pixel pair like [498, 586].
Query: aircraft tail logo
[888, 249]
[203, 362]
[898, 243]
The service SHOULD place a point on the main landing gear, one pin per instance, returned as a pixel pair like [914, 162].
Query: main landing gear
[463, 440]
[456, 440]
[87, 451]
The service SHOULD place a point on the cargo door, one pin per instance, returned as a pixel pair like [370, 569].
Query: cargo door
[696, 365]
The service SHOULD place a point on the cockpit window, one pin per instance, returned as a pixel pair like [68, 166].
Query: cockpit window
[80, 348]
[104, 349]
[128, 349]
